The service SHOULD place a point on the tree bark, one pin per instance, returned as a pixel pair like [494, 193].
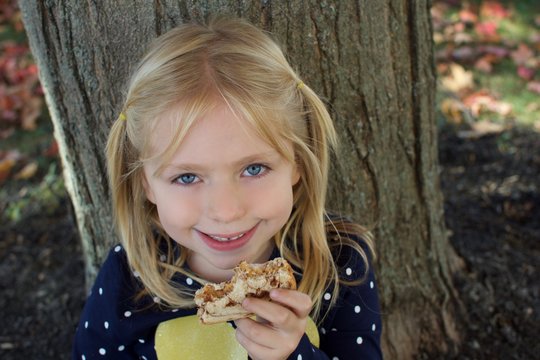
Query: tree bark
[373, 63]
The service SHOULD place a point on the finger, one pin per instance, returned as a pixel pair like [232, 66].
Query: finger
[259, 333]
[298, 302]
[263, 341]
[258, 346]
[274, 313]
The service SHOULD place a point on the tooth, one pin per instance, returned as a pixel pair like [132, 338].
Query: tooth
[218, 238]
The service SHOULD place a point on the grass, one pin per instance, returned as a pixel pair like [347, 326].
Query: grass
[505, 84]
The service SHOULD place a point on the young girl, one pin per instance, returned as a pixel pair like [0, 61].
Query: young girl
[221, 155]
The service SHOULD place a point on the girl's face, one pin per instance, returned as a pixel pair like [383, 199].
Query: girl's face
[224, 194]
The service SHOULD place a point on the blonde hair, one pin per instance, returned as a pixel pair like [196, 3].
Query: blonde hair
[198, 67]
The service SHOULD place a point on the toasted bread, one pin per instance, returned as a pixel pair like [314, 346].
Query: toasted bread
[223, 302]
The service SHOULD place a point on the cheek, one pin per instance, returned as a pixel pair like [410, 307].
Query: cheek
[176, 212]
[276, 201]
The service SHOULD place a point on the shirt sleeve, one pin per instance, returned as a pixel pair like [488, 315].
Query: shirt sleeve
[106, 329]
[352, 328]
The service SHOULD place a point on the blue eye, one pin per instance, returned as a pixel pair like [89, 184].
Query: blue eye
[254, 170]
[186, 179]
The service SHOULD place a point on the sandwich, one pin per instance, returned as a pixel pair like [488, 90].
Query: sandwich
[223, 302]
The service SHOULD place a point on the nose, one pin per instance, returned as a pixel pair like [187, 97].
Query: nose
[225, 203]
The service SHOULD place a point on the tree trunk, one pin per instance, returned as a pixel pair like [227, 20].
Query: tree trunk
[373, 63]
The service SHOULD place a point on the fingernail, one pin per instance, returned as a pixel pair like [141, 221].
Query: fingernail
[274, 294]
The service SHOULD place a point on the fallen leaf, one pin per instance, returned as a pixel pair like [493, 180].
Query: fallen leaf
[496, 51]
[30, 113]
[454, 111]
[481, 128]
[484, 64]
[27, 172]
[467, 16]
[525, 72]
[458, 80]
[52, 150]
[522, 54]
[534, 86]
[487, 31]
[494, 9]
[464, 54]
[482, 101]
[5, 168]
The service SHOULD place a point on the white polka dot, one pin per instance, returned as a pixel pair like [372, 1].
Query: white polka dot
[357, 309]
[100, 291]
[143, 357]
[136, 274]
[174, 310]
[299, 357]
[157, 300]
[141, 341]
[371, 285]
[189, 281]
[121, 348]
[127, 314]
[359, 340]
[83, 357]
[323, 331]
[117, 248]
[102, 351]
[335, 358]
[327, 296]
[348, 271]
[106, 324]
[86, 324]
[163, 258]
[373, 327]
[334, 329]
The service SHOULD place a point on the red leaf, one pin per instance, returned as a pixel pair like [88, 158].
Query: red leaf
[494, 9]
[467, 16]
[52, 151]
[487, 31]
[525, 72]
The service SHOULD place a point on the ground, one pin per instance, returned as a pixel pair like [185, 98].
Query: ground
[490, 184]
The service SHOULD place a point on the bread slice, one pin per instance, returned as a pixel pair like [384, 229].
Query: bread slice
[223, 302]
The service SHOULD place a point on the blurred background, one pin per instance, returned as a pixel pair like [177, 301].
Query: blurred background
[488, 118]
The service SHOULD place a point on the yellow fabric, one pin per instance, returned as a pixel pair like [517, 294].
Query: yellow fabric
[186, 338]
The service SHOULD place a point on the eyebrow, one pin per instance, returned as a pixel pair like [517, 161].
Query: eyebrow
[269, 156]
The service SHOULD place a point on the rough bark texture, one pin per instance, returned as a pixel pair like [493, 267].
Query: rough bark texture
[371, 60]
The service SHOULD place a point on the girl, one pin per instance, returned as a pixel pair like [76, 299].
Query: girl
[221, 155]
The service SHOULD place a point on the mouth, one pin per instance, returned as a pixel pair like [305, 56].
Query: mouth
[226, 238]
[226, 242]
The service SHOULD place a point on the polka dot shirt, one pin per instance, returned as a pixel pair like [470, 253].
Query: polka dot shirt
[115, 326]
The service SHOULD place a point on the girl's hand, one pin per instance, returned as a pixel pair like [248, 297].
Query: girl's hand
[279, 327]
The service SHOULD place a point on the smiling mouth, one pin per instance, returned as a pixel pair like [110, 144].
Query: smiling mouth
[225, 239]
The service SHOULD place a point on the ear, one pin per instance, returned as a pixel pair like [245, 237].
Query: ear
[148, 190]
[295, 177]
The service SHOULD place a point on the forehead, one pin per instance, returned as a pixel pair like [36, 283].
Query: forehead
[219, 134]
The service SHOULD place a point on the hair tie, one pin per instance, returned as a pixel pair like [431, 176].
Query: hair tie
[122, 116]
[300, 85]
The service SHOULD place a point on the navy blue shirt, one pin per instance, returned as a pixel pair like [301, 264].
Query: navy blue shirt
[114, 325]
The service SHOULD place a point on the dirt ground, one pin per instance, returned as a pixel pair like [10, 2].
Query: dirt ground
[492, 205]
